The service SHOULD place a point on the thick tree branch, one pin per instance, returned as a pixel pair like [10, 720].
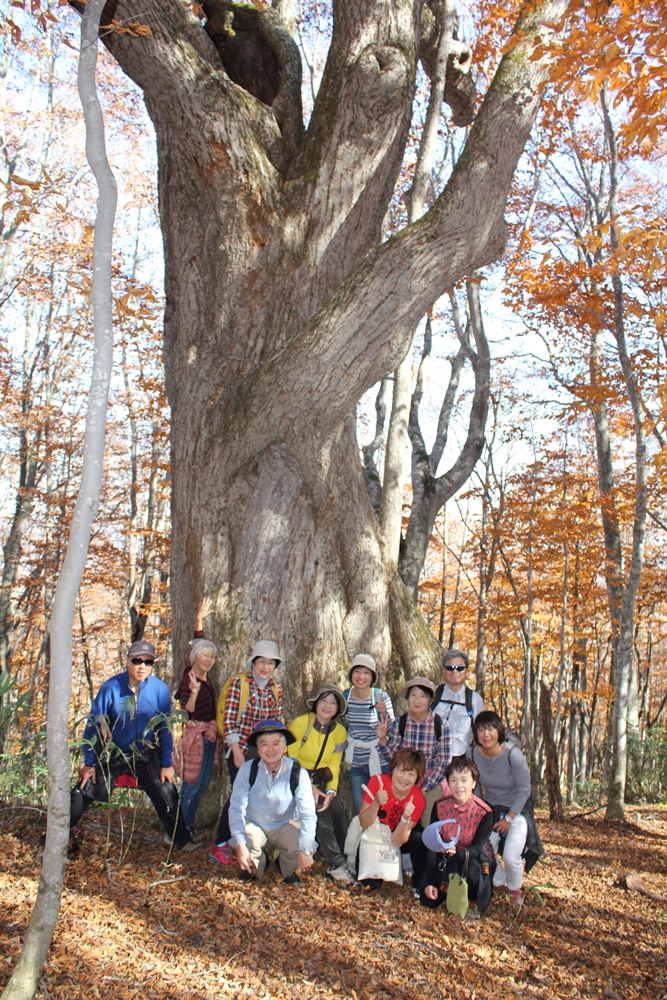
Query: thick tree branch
[352, 152]
[348, 342]
[460, 92]
[177, 67]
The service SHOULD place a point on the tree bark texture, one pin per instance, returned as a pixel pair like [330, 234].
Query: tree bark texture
[283, 306]
[25, 978]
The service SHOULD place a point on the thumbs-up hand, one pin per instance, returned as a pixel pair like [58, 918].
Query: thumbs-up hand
[382, 795]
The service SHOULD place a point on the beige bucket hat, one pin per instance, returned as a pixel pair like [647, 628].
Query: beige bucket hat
[367, 661]
[422, 682]
[267, 648]
[329, 689]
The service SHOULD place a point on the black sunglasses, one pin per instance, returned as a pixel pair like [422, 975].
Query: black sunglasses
[459, 667]
[138, 659]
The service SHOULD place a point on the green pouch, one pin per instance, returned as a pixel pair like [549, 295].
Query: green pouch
[457, 892]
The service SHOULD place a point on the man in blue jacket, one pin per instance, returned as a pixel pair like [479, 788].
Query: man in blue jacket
[127, 733]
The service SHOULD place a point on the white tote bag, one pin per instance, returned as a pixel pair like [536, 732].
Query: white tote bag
[378, 858]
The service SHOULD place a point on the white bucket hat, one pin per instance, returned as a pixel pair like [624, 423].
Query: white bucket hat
[267, 648]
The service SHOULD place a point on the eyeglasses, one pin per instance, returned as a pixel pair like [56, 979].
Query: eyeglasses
[459, 667]
[139, 659]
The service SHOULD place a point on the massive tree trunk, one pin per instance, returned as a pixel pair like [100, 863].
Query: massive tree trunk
[283, 307]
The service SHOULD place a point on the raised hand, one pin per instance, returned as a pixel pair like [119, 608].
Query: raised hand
[409, 807]
[381, 730]
[195, 685]
[203, 611]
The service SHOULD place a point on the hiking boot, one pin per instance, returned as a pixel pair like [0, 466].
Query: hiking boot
[292, 879]
[247, 877]
[473, 913]
[341, 874]
[223, 854]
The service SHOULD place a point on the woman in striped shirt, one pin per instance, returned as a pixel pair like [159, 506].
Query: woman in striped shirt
[367, 706]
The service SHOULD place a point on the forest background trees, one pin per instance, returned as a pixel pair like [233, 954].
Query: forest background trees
[524, 434]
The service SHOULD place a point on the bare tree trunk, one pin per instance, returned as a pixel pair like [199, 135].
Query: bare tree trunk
[488, 553]
[551, 774]
[623, 662]
[25, 978]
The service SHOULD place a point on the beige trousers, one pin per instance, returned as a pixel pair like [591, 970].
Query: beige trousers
[286, 837]
[431, 797]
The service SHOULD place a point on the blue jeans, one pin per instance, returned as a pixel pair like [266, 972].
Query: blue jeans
[192, 793]
[358, 776]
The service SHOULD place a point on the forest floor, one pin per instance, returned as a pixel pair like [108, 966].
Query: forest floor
[191, 930]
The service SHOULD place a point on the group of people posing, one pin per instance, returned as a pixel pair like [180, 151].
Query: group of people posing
[414, 779]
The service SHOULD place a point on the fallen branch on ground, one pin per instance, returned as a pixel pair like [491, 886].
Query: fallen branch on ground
[635, 882]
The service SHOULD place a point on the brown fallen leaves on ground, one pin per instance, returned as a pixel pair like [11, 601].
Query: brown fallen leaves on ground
[190, 930]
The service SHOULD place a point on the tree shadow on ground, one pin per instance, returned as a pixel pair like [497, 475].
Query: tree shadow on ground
[200, 934]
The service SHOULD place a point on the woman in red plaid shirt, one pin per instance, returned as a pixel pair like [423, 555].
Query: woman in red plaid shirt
[420, 730]
[249, 698]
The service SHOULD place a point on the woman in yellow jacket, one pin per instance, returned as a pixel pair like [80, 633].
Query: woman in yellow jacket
[319, 747]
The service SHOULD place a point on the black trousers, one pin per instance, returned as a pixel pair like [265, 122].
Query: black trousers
[146, 769]
[331, 833]
[223, 833]
[479, 884]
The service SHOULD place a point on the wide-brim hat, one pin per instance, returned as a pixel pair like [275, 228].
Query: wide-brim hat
[365, 660]
[266, 648]
[329, 689]
[268, 726]
[435, 834]
[141, 648]
[422, 682]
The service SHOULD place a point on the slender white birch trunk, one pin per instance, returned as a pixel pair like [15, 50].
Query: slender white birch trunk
[25, 979]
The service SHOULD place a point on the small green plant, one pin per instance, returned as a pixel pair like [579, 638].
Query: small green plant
[536, 889]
